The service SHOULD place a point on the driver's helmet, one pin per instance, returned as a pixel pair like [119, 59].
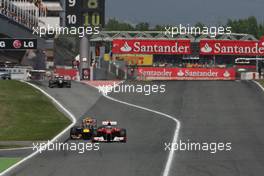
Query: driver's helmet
[88, 121]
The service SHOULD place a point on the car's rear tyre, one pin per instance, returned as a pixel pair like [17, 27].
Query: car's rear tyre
[74, 132]
[51, 85]
[123, 134]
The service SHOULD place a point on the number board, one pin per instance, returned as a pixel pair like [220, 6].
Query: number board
[85, 13]
[72, 13]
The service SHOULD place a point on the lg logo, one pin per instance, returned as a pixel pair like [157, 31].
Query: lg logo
[2, 44]
[29, 44]
[25, 44]
[10, 44]
[17, 44]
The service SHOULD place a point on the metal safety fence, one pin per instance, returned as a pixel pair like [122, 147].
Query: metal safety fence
[26, 13]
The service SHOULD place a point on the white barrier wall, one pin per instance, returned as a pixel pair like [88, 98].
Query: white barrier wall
[249, 76]
[18, 73]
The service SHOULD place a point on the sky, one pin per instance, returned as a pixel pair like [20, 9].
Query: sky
[171, 12]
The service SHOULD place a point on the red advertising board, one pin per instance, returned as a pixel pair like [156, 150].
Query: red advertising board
[121, 46]
[70, 74]
[232, 47]
[157, 73]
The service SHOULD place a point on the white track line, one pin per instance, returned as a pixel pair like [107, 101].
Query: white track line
[54, 139]
[14, 149]
[262, 88]
[167, 168]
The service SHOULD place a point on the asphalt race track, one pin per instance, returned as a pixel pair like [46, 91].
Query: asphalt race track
[209, 112]
[141, 155]
[215, 112]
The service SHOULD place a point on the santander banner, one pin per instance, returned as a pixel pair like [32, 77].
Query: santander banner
[157, 73]
[151, 46]
[232, 47]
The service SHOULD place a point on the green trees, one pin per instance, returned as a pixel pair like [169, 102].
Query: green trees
[115, 25]
[249, 25]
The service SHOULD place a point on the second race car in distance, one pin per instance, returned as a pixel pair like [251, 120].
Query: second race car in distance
[60, 82]
[109, 133]
[85, 130]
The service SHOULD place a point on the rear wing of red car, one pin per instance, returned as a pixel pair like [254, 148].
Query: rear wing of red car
[112, 123]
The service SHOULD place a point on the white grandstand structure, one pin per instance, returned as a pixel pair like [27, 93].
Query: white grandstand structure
[108, 36]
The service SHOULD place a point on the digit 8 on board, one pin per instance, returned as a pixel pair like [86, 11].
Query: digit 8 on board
[93, 4]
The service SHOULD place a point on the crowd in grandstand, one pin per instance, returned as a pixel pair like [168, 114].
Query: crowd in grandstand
[204, 62]
[187, 63]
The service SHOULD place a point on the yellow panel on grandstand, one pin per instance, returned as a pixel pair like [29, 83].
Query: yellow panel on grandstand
[136, 59]
[107, 57]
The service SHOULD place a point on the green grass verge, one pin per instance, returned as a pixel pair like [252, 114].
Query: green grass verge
[7, 162]
[10, 146]
[26, 114]
[261, 82]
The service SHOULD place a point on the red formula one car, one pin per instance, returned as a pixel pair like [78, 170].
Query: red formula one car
[109, 133]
